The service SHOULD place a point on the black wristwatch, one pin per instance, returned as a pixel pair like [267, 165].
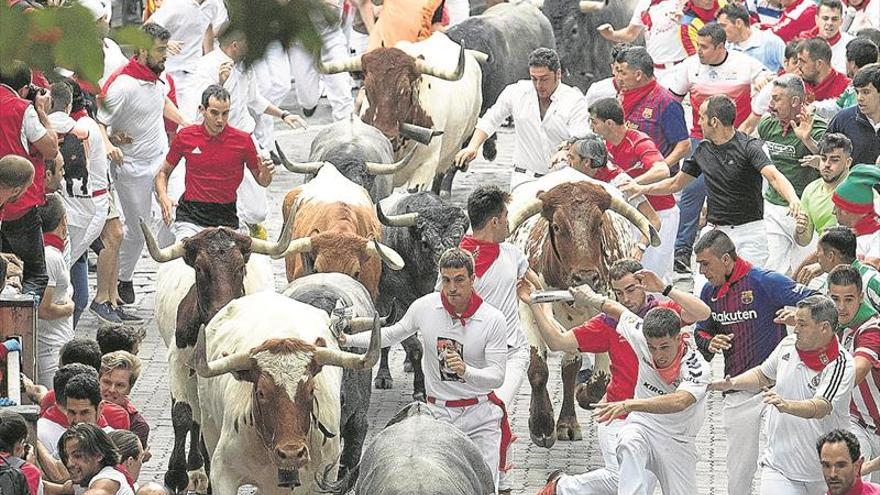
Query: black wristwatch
[667, 290]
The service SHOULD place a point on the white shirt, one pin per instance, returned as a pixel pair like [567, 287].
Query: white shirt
[49, 432]
[188, 21]
[868, 246]
[600, 89]
[856, 20]
[110, 473]
[791, 441]
[58, 332]
[482, 345]
[242, 86]
[693, 378]
[838, 52]
[536, 139]
[113, 58]
[32, 129]
[134, 106]
[662, 38]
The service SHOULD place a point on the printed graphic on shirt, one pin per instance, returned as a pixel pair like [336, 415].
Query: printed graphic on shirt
[444, 344]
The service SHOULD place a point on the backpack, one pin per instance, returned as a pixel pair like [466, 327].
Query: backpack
[75, 165]
[12, 480]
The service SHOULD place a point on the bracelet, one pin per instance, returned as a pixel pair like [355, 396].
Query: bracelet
[667, 290]
[285, 114]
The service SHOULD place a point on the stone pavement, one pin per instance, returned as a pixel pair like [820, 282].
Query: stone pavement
[532, 463]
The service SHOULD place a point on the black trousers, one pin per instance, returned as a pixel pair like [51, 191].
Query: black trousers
[24, 238]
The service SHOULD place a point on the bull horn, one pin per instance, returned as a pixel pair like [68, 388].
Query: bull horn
[404, 220]
[527, 211]
[426, 68]
[325, 356]
[480, 56]
[386, 254]
[161, 255]
[273, 249]
[298, 167]
[417, 133]
[301, 245]
[239, 361]
[590, 6]
[627, 211]
[351, 64]
[390, 168]
[361, 324]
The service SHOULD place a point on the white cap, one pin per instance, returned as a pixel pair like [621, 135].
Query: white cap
[96, 7]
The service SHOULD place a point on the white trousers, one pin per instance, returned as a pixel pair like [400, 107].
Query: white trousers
[251, 204]
[481, 423]
[514, 372]
[81, 237]
[272, 73]
[785, 254]
[47, 363]
[458, 11]
[308, 80]
[673, 461]
[660, 259]
[188, 99]
[750, 240]
[775, 483]
[869, 444]
[741, 415]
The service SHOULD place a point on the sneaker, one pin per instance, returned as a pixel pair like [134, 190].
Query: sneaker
[126, 291]
[682, 265]
[127, 318]
[550, 487]
[308, 112]
[105, 313]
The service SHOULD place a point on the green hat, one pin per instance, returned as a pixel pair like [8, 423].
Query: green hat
[856, 193]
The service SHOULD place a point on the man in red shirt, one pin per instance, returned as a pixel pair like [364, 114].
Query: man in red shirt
[636, 154]
[216, 156]
[798, 16]
[841, 460]
[822, 80]
[631, 285]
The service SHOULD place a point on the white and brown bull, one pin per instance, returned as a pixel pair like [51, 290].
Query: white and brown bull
[269, 378]
[198, 276]
[413, 89]
[572, 228]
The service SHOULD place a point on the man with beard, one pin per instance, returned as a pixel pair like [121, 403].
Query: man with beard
[132, 103]
[829, 18]
[823, 81]
[816, 207]
[91, 459]
[841, 460]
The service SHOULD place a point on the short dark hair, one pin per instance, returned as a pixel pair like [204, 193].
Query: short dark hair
[817, 48]
[15, 170]
[869, 74]
[81, 350]
[51, 213]
[837, 436]
[16, 75]
[13, 429]
[608, 109]
[544, 57]
[637, 58]
[870, 33]
[844, 275]
[822, 309]
[83, 386]
[62, 97]
[64, 374]
[861, 52]
[792, 48]
[718, 242]
[619, 48]
[156, 31]
[714, 31]
[127, 443]
[841, 239]
[456, 258]
[215, 91]
[123, 338]
[661, 322]
[722, 108]
[735, 12]
[831, 4]
[485, 203]
[228, 34]
[92, 441]
[623, 267]
[835, 141]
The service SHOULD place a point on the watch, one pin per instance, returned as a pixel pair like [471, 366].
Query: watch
[667, 290]
[284, 114]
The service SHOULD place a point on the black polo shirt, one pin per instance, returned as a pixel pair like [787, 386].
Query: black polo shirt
[733, 178]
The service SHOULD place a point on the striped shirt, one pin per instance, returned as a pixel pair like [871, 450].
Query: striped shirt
[861, 337]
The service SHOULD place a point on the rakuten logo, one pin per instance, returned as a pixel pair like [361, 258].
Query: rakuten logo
[732, 318]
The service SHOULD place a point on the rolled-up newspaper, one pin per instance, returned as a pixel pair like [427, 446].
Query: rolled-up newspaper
[551, 296]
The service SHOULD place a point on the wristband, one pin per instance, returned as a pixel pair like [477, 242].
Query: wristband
[667, 290]
[285, 114]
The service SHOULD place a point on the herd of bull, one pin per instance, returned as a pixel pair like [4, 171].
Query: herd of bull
[258, 382]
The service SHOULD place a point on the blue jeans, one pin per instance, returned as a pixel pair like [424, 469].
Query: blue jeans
[79, 279]
[690, 205]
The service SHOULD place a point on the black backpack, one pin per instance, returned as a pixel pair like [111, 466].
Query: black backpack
[75, 165]
[12, 480]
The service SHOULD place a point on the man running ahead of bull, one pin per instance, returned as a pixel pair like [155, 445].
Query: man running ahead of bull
[469, 338]
[216, 156]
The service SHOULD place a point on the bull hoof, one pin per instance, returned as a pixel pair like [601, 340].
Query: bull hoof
[383, 381]
[568, 431]
[198, 481]
[176, 480]
[545, 441]
[591, 392]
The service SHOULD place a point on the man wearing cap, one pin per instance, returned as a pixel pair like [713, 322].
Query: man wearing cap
[854, 208]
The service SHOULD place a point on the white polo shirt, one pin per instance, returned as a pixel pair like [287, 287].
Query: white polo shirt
[188, 20]
[791, 441]
[244, 94]
[134, 106]
[537, 139]
[694, 377]
[482, 343]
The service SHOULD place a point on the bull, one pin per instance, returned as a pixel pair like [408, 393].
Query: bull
[269, 377]
[198, 276]
[419, 227]
[360, 152]
[332, 292]
[572, 228]
[432, 85]
[416, 453]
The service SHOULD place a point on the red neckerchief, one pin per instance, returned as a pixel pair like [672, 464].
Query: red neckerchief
[814, 33]
[819, 91]
[129, 407]
[818, 359]
[473, 306]
[54, 414]
[50, 239]
[707, 15]
[740, 268]
[792, 6]
[670, 373]
[631, 98]
[860, 7]
[134, 69]
[786, 126]
[128, 478]
[485, 253]
[867, 225]
[79, 114]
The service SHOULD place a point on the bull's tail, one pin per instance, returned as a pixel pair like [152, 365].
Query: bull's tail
[340, 486]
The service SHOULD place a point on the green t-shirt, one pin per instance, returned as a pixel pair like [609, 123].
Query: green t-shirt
[816, 203]
[847, 98]
[870, 283]
[786, 152]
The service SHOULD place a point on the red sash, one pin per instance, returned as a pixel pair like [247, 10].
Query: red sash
[485, 253]
[818, 359]
[134, 69]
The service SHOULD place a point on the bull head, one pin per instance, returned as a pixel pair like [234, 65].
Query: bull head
[373, 248]
[374, 168]
[355, 64]
[404, 220]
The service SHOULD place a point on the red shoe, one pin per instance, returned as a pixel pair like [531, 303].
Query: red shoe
[550, 487]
